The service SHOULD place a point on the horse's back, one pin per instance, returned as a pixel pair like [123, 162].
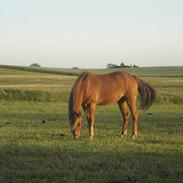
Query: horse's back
[107, 88]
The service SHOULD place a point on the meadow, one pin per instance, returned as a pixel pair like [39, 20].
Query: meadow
[36, 144]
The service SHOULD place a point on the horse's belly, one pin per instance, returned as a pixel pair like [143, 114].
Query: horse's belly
[105, 100]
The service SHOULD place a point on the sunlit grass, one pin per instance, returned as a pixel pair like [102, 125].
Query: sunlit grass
[36, 144]
[49, 87]
[31, 150]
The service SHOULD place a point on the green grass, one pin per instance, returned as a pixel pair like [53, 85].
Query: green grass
[21, 85]
[31, 151]
[36, 144]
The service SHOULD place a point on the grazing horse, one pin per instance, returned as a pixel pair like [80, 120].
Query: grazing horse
[91, 89]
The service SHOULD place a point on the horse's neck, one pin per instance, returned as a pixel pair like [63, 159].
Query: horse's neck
[78, 92]
[77, 101]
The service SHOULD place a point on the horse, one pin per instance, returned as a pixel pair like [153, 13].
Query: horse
[91, 89]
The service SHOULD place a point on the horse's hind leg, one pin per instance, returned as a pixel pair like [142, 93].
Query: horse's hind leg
[133, 108]
[124, 110]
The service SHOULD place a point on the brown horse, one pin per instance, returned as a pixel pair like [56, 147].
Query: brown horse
[90, 90]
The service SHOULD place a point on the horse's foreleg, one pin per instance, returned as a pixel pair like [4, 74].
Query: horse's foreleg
[124, 110]
[87, 113]
[133, 109]
[91, 120]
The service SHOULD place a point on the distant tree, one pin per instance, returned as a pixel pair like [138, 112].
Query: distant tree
[122, 64]
[75, 68]
[35, 65]
[110, 66]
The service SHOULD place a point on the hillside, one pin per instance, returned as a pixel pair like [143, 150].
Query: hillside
[139, 71]
[53, 85]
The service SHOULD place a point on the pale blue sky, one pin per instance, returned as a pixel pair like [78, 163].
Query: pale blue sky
[91, 33]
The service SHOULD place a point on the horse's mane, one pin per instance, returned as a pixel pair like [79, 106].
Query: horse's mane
[73, 94]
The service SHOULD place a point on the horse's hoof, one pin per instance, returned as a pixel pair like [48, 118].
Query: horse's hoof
[134, 137]
[76, 137]
[91, 138]
[123, 136]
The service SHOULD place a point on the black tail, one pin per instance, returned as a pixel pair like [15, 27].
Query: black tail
[147, 94]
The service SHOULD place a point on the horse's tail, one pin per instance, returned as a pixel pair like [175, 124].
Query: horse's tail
[147, 93]
[74, 95]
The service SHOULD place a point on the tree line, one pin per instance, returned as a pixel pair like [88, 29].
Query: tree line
[122, 65]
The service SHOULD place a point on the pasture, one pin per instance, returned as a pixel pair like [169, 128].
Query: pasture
[36, 144]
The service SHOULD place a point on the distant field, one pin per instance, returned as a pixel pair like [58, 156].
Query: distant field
[36, 144]
[139, 71]
[32, 86]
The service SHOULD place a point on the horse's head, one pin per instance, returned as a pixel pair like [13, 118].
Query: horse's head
[76, 124]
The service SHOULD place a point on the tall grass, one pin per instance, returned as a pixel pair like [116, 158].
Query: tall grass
[55, 88]
[62, 96]
[33, 95]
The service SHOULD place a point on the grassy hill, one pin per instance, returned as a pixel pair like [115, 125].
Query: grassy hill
[139, 71]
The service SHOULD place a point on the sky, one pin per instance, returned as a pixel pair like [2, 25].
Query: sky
[91, 34]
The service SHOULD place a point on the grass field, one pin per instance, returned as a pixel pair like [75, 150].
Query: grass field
[36, 143]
